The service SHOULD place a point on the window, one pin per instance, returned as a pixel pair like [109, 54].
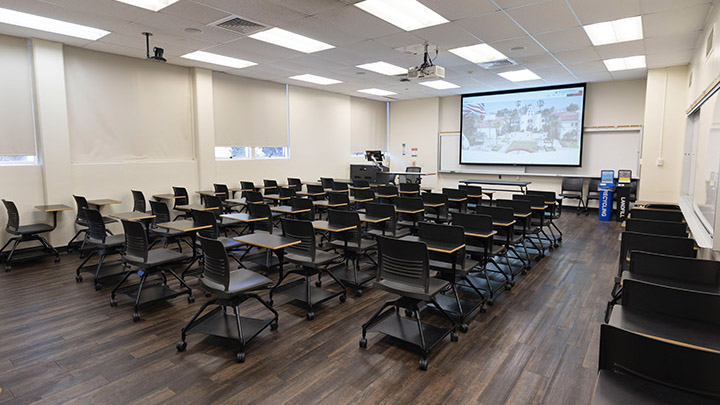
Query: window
[270, 152]
[232, 152]
[17, 159]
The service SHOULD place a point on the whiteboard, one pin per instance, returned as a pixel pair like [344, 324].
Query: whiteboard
[606, 148]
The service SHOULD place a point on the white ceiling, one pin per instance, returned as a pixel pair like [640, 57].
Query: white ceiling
[555, 46]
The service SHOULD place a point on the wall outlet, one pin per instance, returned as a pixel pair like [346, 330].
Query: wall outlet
[660, 161]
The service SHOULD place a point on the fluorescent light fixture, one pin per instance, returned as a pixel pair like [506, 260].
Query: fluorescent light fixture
[216, 59]
[315, 79]
[440, 85]
[153, 5]
[611, 32]
[377, 92]
[383, 68]
[406, 14]
[291, 40]
[631, 62]
[36, 22]
[519, 75]
[480, 53]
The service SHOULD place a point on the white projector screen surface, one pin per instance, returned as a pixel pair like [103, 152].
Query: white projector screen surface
[530, 127]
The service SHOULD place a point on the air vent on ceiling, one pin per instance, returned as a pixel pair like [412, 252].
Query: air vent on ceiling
[240, 25]
[498, 64]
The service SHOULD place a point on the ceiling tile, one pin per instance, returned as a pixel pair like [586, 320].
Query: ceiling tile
[668, 59]
[590, 12]
[531, 47]
[195, 12]
[675, 21]
[595, 77]
[308, 7]
[654, 6]
[590, 67]
[577, 56]
[355, 21]
[674, 43]
[506, 4]
[544, 17]
[257, 10]
[112, 8]
[492, 27]
[629, 74]
[565, 40]
[446, 36]
[460, 9]
[399, 40]
[534, 62]
[254, 50]
[172, 27]
[313, 28]
[621, 50]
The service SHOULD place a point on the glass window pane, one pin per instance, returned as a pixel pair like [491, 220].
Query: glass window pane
[17, 159]
[265, 152]
[232, 152]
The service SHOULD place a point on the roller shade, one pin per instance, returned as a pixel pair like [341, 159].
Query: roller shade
[122, 108]
[368, 125]
[17, 132]
[249, 112]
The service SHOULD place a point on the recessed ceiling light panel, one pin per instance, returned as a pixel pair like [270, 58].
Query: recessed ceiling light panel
[377, 92]
[36, 22]
[480, 53]
[315, 79]
[631, 62]
[291, 40]
[612, 32]
[153, 5]
[216, 59]
[521, 75]
[440, 85]
[383, 68]
[406, 14]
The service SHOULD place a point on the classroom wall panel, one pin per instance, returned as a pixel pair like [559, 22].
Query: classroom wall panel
[368, 125]
[127, 109]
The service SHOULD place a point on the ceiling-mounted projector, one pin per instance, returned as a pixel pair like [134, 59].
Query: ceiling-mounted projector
[426, 71]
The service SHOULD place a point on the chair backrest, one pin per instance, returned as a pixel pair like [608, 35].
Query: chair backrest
[182, 194]
[205, 218]
[413, 169]
[271, 187]
[534, 199]
[223, 190]
[474, 223]
[633, 190]
[363, 194]
[247, 185]
[410, 188]
[452, 235]
[657, 215]
[136, 243]
[138, 201]
[315, 188]
[382, 211]
[498, 214]
[261, 211]
[548, 196]
[518, 206]
[287, 192]
[385, 178]
[82, 205]
[303, 231]
[387, 190]
[361, 183]
[213, 201]
[338, 186]
[96, 226]
[684, 269]
[303, 204]
[342, 218]
[641, 296]
[253, 197]
[339, 198]
[669, 245]
[593, 185]
[403, 261]
[662, 362]
[471, 190]
[409, 203]
[455, 193]
[294, 183]
[216, 267]
[161, 212]
[326, 182]
[13, 221]
[667, 228]
[413, 178]
[436, 198]
[572, 184]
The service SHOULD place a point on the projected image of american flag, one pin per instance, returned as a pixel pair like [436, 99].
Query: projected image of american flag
[475, 109]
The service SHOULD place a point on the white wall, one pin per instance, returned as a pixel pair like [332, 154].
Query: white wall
[413, 122]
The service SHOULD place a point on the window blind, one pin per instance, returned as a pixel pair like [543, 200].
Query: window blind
[17, 130]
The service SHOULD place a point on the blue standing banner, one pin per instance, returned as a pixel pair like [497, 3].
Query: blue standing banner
[605, 189]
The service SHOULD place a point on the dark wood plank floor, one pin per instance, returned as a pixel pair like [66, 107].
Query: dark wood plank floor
[62, 342]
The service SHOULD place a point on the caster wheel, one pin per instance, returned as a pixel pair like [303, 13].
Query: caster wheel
[408, 313]
[483, 309]
[358, 293]
[318, 284]
[542, 256]
[508, 286]
[7, 269]
[491, 301]
[98, 287]
[191, 299]
[463, 328]
[207, 294]
[454, 337]
[78, 279]
[310, 316]
[57, 260]
[240, 358]
[556, 245]
[423, 365]
[343, 298]
[524, 272]
[363, 343]
[181, 346]
[136, 317]
[273, 325]
[82, 255]
[113, 302]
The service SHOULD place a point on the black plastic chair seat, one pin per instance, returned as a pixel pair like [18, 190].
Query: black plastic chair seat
[592, 195]
[165, 232]
[84, 222]
[407, 224]
[32, 229]
[412, 291]
[615, 388]
[111, 241]
[363, 246]
[228, 243]
[240, 281]
[229, 223]
[321, 258]
[570, 194]
[156, 257]
[446, 267]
